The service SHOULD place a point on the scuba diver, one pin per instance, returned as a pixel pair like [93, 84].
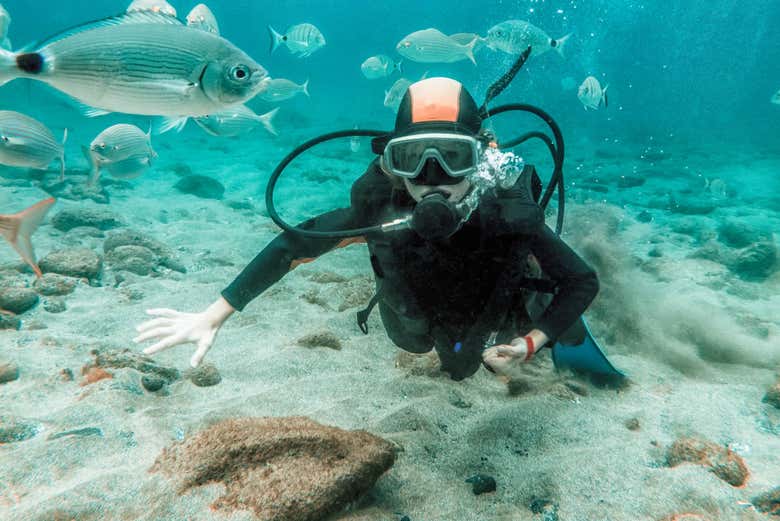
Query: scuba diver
[463, 260]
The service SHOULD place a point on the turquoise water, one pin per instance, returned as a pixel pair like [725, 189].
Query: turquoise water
[672, 196]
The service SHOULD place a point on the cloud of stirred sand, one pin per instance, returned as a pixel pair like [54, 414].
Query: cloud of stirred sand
[688, 329]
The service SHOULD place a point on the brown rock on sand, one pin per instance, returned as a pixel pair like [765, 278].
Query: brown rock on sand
[722, 462]
[283, 469]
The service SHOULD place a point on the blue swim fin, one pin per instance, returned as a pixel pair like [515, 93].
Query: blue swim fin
[578, 350]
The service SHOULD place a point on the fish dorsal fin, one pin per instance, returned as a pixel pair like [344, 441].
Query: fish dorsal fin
[135, 17]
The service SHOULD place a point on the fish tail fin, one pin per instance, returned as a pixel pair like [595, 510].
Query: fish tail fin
[94, 167]
[604, 96]
[166, 124]
[267, 121]
[276, 39]
[305, 87]
[470, 50]
[62, 157]
[8, 69]
[560, 43]
[398, 67]
[18, 229]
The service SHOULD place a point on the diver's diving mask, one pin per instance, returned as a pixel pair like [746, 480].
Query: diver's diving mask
[457, 154]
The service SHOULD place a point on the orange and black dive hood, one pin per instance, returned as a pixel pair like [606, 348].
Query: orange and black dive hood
[434, 105]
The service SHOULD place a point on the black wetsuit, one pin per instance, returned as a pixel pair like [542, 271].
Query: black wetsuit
[449, 294]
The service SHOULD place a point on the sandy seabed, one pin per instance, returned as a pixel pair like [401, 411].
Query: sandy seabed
[701, 346]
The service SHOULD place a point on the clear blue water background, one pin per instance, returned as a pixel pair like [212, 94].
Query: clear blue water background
[695, 70]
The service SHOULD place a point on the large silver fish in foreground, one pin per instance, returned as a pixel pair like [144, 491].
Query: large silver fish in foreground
[141, 63]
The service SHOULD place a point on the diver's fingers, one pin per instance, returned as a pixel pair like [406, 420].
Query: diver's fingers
[155, 322]
[203, 347]
[505, 350]
[165, 343]
[154, 333]
[163, 312]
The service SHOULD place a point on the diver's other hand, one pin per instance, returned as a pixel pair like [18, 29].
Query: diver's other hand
[172, 328]
[501, 357]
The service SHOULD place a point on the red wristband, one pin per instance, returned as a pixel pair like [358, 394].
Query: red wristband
[529, 344]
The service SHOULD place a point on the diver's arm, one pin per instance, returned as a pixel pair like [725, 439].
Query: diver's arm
[577, 283]
[285, 253]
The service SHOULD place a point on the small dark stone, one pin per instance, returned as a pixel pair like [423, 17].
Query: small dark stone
[738, 234]
[75, 217]
[482, 483]
[201, 186]
[9, 321]
[632, 424]
[18, 300]
[321, 339]
[52, 284]
[539, 505]
[205, 375]
[644, 217]
[54, 305]
[125, 358]
[76, 262]
[756, 262]
[80, 433]
[405, 518]
[655, 252]
[12, 431]
[8, 372]
[630, 181]
[152, 383]
[66, 374]
[772, 396]
[768, 503]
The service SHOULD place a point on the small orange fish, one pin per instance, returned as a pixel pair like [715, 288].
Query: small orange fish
[19, 227]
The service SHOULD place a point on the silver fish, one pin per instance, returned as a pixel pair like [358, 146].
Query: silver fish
[380, 66]
[141, 63]
[18, 228]
[467, 38]
[130, 168]
[433, 46]
[26, 142]
[515, 36]
[5, 21]
[591, 94]
[776, 98]
[275, 90]
[154, 6]
[116, 144]
[236, 121]
[302, 39]
[395, 94]
[202, 18]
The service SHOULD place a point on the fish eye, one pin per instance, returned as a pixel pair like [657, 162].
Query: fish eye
[239, 72]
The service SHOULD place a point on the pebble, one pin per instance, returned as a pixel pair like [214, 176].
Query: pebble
[18, 300]
[721, 461]
[8, 372]
[644, 217]
[52, 284]
[94, 374]
[632, 424]
[738, 234]
[205, 375]
[9, 321]
[152, 383]
[768, 503]
[54, 305]
[66, 375]
[201, 186]
[71, 218]
[165, 255]
[756, 262]
[481, 484]
[12, 431]
[772, 396]
[321, 339]
[75, 262]
[135, 259]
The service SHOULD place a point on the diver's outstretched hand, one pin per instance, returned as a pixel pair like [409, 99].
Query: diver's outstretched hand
[172, 328]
